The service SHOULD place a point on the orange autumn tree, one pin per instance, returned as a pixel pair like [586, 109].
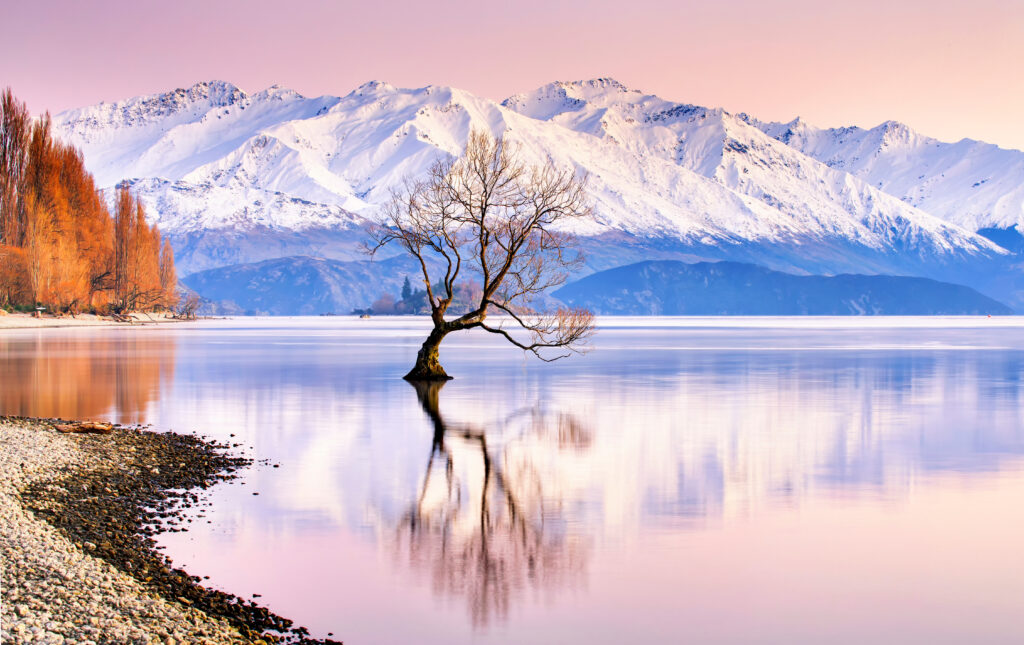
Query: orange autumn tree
[168, 276]
[59, 245]
[143, 277]
[13, 275]
[14, 131]
[15, 125]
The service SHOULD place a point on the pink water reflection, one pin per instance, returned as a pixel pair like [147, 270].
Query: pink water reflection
[780, 482]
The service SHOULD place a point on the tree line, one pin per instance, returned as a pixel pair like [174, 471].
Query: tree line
[414, 301]
[60, 246]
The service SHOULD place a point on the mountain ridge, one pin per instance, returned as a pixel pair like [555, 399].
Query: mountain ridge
[672, 288]
[277, 132]
[213, 160]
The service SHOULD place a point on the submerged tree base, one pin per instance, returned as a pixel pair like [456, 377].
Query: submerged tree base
[428, 364]
[423, 374]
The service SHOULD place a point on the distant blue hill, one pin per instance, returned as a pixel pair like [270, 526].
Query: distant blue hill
[668, 287]
[299, 286]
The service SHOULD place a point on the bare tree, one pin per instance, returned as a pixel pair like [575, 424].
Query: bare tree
[187, 307]
[488, 213]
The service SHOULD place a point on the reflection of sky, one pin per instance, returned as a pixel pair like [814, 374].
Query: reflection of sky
[678, 432]
[685, 426]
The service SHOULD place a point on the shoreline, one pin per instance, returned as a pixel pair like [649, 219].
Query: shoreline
[77, 516]
[27, 321]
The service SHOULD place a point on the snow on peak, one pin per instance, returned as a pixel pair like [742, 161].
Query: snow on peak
[218, 93]
[892, 126]
[545, 103]
[277, 93]
[604, 107]
[657, 167]
[596, 86]
[552, 99]
[138, 112]
[969, 183]
[893, 133]
[205, 94]
[372, 88]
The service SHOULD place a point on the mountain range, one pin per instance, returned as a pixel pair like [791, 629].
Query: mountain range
[671, 288]
[235, 178]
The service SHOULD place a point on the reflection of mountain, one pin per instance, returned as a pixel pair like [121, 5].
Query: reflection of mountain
[598, 472]
[683, 423]
[102, 375]
[724, 433]
[482, 524]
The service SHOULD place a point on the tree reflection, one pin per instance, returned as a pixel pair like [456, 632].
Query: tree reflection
[483, 524]
[89, 376]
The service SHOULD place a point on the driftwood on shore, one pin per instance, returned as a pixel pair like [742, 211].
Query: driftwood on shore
[89, 427]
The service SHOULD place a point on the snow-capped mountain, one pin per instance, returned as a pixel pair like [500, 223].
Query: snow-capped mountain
[970, 183]
[803, 196]
[667, 179]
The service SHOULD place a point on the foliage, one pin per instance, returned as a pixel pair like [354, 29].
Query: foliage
[414, 301]
[187, 308]
[59, 245]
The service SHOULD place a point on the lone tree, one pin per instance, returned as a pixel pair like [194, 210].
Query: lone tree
[490, 215]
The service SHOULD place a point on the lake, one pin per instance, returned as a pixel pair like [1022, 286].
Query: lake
[706, 480]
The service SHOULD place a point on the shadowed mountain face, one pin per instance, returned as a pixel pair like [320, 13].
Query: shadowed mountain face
[195, 252]
[300, 285]
[731, 288]
[1009, 238]
[312, 286]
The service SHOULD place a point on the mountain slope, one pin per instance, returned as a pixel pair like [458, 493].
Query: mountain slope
[300, 285]
[171, 134]
[658, 169]
[212, 226]
[806, 197]
[224, 173]
[970, 183]
[731, 288]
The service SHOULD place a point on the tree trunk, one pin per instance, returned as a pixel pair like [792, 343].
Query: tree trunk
[428, 367]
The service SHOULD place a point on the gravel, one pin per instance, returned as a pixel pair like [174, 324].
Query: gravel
[77, 516]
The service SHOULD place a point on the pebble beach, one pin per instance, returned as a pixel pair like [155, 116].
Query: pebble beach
[77, 515]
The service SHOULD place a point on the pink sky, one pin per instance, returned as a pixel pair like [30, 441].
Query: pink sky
[948, 69]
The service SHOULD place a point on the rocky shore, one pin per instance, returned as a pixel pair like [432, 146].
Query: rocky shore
[77, 516]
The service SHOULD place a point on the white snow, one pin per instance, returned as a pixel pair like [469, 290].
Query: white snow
[969, 183]
[213, 156]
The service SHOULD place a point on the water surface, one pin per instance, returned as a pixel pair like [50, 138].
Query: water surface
[689, 480]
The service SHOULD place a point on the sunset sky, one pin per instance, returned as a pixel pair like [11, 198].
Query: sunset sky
[948, 69]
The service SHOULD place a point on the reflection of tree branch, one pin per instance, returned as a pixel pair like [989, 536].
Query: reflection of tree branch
[491, 549]
[428, 399]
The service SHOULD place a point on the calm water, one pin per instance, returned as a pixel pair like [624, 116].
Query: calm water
[689, 480]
